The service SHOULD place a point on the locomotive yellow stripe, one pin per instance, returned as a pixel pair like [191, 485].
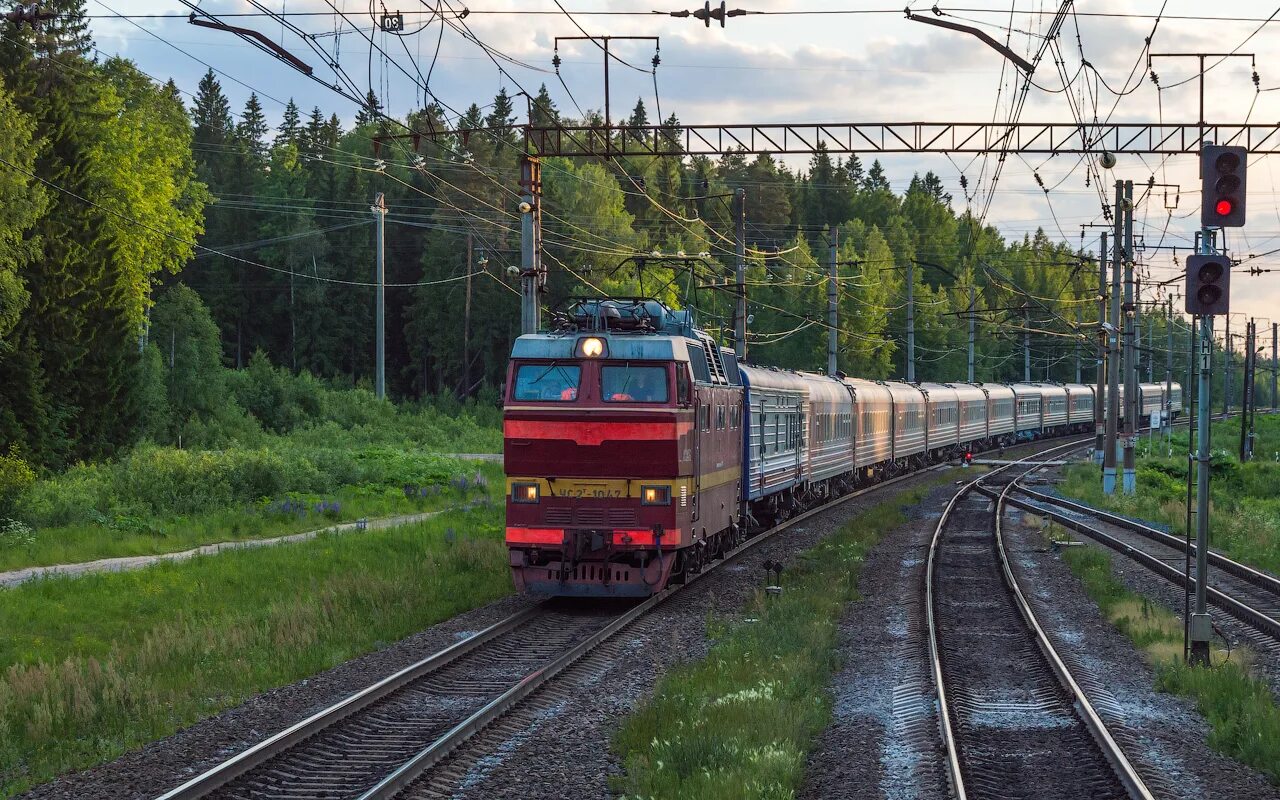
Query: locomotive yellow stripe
[621, 487]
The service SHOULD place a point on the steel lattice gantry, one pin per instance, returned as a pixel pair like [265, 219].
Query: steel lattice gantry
[1045, 138]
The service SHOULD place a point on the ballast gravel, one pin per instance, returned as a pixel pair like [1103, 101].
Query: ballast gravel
[566, 756]
[1162, 734]
[883, 738]
[152, 770]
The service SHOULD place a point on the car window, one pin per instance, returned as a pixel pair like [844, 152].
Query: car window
[547, 382]
[633, 384]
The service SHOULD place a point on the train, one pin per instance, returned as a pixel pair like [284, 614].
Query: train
[637, 449]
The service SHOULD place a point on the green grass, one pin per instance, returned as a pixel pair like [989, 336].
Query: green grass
[739, 723]
[1245, 497]
[160, 500]
[1244, 719]
[96, 666]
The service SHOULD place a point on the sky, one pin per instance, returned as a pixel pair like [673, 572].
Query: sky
[873, 65]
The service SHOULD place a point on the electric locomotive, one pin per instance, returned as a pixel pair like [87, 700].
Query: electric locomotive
[637, 449]
[621, 440]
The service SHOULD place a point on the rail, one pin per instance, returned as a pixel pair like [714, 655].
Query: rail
[1110, 749]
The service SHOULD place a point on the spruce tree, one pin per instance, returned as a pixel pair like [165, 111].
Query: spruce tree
[370, 111]
[545, 113]
[252, 128]
[290, 131]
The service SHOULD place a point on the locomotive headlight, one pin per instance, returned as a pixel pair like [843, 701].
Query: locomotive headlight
[655, 495]
[524, 492]
[591, 347]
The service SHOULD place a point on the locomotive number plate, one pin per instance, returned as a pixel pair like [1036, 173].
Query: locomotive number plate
[587, 492]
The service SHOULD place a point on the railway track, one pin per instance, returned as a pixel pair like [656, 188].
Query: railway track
[375, 743]
[1015, 723]
[1251, 596]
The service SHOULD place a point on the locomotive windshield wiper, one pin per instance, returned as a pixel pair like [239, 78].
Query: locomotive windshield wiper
[546, 371]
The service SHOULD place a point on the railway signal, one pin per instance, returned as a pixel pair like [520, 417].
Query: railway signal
[1208, 285]
[1223, 171]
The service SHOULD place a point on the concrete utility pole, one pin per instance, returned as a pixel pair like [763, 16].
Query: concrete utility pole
[1249, 400]
[1131, 399]
[740, 273]
[380, 326]
[1275, 365]
[833, 234]
[911, 322]
[1151, 347]
[1113, 351]
[1101, 394]
[1226, 385]
[466, 322]
[1166, 421]
[973, 329]
[1026, 346]
[530, 244]
[1254, 349]
[1079, 320]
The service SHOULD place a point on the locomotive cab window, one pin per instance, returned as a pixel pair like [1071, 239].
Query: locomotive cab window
[554, 382]
[633, 384]
[684, 386]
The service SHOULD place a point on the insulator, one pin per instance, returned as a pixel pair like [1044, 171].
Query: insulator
[555, 61]
[657, 61]
[1155, 78]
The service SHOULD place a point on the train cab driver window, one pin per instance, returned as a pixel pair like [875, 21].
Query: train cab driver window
[547, 382]
[632, 384]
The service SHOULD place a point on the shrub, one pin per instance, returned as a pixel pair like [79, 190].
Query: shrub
[15, 478]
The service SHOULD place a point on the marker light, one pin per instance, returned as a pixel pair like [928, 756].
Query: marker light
[591, 347]
[524, 493]
[655, 495]
[1223, 207]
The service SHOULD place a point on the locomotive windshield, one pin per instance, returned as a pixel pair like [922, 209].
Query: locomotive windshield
[634, 384]
[553, 382]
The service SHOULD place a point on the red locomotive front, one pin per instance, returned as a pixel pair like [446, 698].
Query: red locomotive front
[613, 488]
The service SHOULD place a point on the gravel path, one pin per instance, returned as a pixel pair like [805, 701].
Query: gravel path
[125, 563]
[883, 739]
[1162, 734]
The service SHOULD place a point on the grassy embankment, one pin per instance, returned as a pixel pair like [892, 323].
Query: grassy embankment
[739, 723]
[357, 458]
[95, 666]
[1240, 709]
[1245, 497]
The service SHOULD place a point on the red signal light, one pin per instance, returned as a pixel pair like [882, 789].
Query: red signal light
[1223, 207]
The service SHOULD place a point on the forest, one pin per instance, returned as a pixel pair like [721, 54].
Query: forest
[154, 243]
